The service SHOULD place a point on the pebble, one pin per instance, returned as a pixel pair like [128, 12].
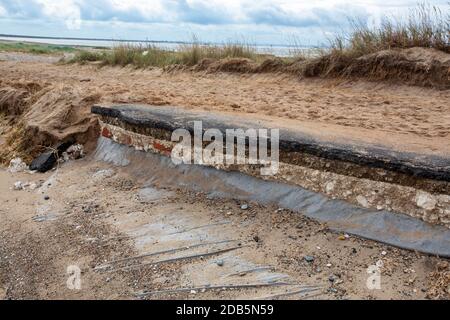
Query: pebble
[425, 200]
[309, 258]
[219, 263]
[33, 186]
[18, 185]
[17, 165]
[343, 237]
[362, 201]
[329, 187]
[46, 198]
[244, 206]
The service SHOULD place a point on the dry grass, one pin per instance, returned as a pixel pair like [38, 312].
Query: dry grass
[371, 53]
[377, 54]
[426, 26]
[143, 56]
[17, 143]
[35, 48]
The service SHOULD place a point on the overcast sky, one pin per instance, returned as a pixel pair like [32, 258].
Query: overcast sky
[258, 22]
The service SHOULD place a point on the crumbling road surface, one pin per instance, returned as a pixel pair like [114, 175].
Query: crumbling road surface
[129, 240]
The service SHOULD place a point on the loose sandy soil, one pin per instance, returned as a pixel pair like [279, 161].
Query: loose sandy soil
[382, 113]
[96, 214]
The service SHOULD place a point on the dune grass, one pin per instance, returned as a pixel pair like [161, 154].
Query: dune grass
[149, 55]
[84, 56]
[425, 26]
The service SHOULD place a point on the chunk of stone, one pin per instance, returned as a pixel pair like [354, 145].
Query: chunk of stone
[362, 201]
[47, 160]
[44, 162]
[329, 187]
[425, 200]
[75, 151]
[18, 185]
[17, 165]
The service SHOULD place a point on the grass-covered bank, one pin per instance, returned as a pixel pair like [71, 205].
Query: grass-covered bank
[411, 49]
[34, 48]
[425, 27]
[143, 56]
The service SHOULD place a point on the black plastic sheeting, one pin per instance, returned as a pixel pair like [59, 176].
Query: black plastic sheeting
[391, 228]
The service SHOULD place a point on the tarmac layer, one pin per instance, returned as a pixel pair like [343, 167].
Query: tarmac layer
[292, 140]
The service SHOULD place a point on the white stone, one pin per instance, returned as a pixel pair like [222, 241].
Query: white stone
[425, 200]
[348, 193]
[362, 201]
[330, 186]
[17, 165]
[33, 186]
[18, 185]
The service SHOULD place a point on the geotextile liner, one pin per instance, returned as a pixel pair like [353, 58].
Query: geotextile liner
[391, 228]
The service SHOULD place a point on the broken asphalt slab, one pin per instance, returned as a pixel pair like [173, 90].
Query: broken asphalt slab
[47, 160]
[168, 118]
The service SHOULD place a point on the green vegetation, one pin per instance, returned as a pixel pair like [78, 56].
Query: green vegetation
[143, 56]
[425, 27]
[85, 56]
[34, 48]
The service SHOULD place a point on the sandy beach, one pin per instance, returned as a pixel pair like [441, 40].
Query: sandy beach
[54, 100]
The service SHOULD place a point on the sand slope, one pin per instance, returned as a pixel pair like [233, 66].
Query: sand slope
[60, 96]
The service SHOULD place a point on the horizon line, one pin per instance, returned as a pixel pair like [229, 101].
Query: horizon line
[148, 41]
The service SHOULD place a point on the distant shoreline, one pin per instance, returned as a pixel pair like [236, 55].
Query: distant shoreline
[144, 41]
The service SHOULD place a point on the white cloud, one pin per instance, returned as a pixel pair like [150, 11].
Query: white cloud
[66, 10]
[2, 11]
[169, 19]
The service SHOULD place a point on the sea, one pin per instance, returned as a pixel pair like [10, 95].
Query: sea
[277, 50]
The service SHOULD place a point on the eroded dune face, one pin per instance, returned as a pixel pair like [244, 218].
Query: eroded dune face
[52, 102]
[44, 114]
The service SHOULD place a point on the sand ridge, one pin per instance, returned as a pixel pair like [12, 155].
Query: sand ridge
[363, 110]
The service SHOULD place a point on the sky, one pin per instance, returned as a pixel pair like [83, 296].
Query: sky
[307, 22]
